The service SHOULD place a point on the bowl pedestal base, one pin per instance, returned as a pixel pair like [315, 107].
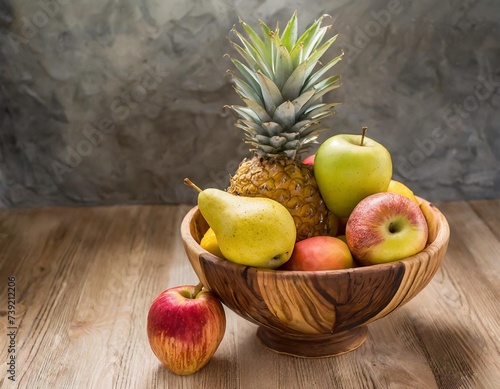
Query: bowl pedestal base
[313, 346]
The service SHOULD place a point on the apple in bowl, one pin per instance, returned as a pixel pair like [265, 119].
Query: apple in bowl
[350, 167]
[386, 227]
[309, 160]
[319, 253]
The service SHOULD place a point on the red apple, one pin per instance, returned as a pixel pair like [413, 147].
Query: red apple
[319, 253]
[185, 326]
[309, 160]
[385, 227]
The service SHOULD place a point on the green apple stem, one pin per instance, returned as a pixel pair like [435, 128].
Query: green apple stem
[190, 183]
[364, 129]
[197, 289]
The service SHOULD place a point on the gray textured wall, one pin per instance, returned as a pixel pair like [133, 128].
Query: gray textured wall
[149, 75]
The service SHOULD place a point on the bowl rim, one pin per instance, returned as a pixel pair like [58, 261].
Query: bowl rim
[441, 239]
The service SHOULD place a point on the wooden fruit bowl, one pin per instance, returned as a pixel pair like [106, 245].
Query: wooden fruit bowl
[316, 313]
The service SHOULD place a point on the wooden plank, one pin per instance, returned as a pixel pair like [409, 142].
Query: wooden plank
[489, 212]
[479, 243]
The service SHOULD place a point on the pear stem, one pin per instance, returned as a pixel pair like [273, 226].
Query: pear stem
[190, 183]
[197, 289]
[364, 129]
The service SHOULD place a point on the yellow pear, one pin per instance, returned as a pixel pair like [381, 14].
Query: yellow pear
[250, 231]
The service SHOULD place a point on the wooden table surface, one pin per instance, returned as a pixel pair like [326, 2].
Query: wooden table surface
[85, 278]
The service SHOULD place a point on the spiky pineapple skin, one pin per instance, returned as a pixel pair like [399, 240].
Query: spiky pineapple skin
[290, 183]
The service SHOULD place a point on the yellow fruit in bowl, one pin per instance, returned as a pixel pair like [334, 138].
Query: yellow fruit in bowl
[209, 243]
[402, 189]
[342, 238]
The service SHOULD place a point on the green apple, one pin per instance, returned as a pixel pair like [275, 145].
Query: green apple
[349, 168]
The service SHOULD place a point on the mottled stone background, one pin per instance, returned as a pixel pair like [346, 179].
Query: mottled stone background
[116, 101]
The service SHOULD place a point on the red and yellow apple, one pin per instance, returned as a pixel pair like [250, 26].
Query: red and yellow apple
[185, 326]
[319, 253]
[385, 227]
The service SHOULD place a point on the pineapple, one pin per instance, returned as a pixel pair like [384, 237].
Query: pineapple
[282, 84]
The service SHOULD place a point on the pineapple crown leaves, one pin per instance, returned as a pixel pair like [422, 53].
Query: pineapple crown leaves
[282, 87]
